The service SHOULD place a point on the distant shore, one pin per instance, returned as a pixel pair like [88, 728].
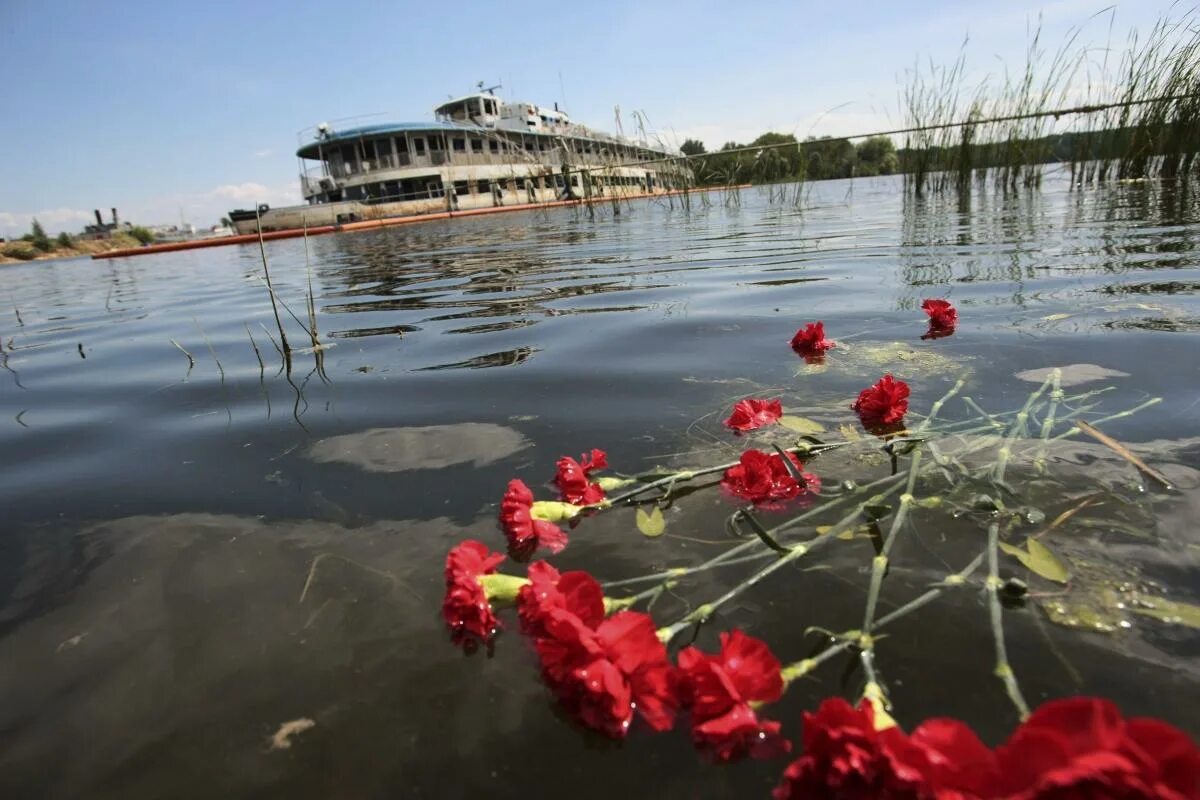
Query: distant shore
[78, 248]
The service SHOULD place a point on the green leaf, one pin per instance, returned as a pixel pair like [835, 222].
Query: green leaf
[762, 533]
[801, 425]
[856, 532]
[1039, 560]
[1169, 611]
[651, 524]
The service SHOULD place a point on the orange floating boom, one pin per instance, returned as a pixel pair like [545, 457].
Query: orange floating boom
[371, 224]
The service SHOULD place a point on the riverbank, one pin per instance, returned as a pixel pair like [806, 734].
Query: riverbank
[79, 248]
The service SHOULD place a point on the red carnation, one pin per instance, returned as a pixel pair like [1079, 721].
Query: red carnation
[1082, 747]
[572, 478]
[846, 757]
[762, 478]
[750, 413]
[883, 404]
[601, 669]
[941, 314]
[720, 689]
[810, 341]
[526, 534]
[547, 589]
[466, 608]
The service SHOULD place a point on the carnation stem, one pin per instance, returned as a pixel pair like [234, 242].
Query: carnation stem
[691, 474]
[1056, 394]
[853, 638]
[731, 556]
[879, 564]
[703, 612]
[1074, 431]
[1016, 429]
[1003, 669]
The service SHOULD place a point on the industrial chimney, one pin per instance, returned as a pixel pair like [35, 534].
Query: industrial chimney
[114, 217]
[99, 219]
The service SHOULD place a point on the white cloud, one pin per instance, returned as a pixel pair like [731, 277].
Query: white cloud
[239, 192]
[16, 223]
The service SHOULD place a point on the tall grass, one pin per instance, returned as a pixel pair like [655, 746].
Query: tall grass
[1135, 115]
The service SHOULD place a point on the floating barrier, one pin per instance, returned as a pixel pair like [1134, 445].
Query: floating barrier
[385, 222]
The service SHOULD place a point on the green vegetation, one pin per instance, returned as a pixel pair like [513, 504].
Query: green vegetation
[20, 250]
[38, 237]
[143, 235]
[64, 240]
[784, 158]
[1137, 120]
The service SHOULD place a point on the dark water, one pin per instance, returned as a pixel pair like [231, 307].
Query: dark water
[160, 612]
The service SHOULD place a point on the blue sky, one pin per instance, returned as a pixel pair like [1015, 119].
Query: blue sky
[158, 107]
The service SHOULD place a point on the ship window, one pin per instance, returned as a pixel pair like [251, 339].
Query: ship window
[494, 146]
[460, 188]
[401, 144]
[575, 181]
[435, 143]
[460, 145]
[542, 145]
[481, 187]
[528, 145]
[476, 145]
[419, 144]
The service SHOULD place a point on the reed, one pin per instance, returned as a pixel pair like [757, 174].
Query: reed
[285, 351]
[1140, 118]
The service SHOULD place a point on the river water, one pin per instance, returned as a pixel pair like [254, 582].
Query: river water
[193, 556]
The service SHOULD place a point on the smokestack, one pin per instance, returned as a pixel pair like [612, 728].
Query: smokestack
[99, 219]
[114, 217]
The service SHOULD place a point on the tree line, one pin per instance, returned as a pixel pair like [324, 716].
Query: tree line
[787, 158]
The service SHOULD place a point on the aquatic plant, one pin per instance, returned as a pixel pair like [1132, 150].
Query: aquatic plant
[609, 665]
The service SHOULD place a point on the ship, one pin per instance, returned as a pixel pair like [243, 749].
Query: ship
[479, 152]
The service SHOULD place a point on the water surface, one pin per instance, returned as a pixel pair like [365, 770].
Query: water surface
[192, 556]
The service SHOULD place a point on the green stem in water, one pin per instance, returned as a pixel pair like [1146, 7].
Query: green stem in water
[1056, 395]
[880, 563]
[1016, 429]
[854, 638]
[708, 609]
[1004, 670]
[1127, 413]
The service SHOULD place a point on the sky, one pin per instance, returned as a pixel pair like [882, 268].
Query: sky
[172, 110]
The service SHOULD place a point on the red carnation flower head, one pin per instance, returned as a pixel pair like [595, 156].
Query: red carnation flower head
[525, 533]
[466, 607]
[1083, 747]
[752, 413]
[719, 689]
[845, 757]
[941, 313]
[572, 478]
[601, 670]
[883, 404]
[764, 479]
[547, 589]
[811, 343]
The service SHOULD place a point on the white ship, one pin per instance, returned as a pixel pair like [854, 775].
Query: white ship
[480, 153]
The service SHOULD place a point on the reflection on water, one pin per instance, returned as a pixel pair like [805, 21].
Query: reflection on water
[184, 568]
[426, 447]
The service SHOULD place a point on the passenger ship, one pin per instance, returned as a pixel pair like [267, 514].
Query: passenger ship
[480, 153]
